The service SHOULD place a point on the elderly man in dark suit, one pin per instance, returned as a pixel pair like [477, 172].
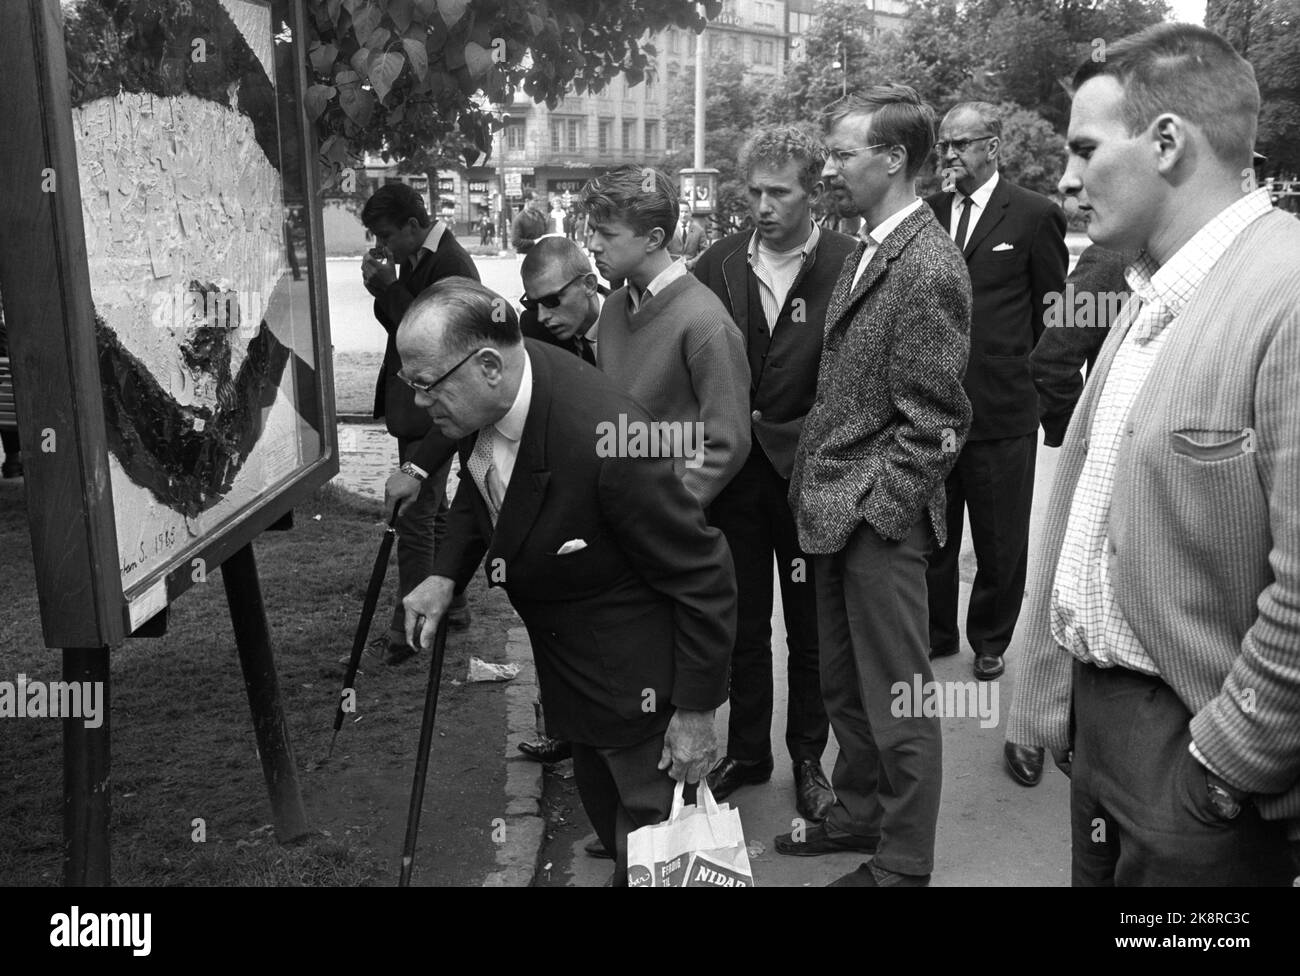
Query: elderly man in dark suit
[1014, 244]
[775, 283]
[628, 595]
[414, 252]
[884, 430]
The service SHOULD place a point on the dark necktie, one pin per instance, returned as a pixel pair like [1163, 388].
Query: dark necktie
[584, 350]
[963, 224]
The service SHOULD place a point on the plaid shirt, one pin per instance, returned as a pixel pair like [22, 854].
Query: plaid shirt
[1085, 619]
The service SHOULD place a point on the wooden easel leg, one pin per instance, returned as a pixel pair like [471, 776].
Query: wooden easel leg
[87, 787]
[253, 638]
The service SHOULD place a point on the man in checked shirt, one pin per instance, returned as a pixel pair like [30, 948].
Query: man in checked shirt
[1163, 652]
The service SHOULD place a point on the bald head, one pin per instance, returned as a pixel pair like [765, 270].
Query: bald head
[558, 254]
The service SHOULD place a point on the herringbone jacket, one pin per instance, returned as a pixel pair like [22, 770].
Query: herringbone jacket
[890, 413]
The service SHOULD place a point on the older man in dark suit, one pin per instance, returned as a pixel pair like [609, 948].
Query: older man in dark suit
[775, 283]
[1014, 244]
[888, 420]
[422, 251]
[628, 595]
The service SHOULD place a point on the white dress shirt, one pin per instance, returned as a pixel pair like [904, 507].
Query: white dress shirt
[657, 284]
[979, 203]
[876, 236]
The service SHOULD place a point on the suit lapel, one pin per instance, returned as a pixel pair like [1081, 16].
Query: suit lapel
[994, 212]
[838, 304]
[530, 477]
[894, 243]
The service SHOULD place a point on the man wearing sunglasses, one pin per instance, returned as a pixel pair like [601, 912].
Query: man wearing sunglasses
[1013, 241]
[562, 297]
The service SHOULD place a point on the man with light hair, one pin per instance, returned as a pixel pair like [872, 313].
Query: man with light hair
[776, 282]
[1163, 617]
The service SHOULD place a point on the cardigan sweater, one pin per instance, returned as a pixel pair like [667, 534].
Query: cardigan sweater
[682, 358]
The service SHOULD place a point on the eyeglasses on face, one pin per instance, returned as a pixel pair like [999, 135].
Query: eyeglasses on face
[554, 298]
[428, 388]
[958, 145]
[842, 156]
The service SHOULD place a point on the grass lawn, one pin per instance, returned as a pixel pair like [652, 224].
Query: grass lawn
[182, 738]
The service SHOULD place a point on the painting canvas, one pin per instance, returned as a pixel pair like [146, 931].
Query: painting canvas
[193, 203]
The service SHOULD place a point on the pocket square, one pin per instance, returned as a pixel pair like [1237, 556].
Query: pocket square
[573, 545]
[1004, 246]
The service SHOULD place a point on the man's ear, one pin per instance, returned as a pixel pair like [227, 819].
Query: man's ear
[657, 238]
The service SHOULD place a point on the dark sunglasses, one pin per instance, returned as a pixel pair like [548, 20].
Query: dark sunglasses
[428, 388]
[554, 298]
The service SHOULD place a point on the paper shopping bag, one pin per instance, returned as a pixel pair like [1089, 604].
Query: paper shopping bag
[698, 846]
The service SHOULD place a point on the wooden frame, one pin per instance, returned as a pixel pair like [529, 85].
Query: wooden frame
[46, 284]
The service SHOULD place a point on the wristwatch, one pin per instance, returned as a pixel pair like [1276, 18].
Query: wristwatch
[1225, 800]
[414, 471]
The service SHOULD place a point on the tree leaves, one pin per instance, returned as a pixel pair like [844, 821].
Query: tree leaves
[323, 57]
[418, 56]
[357, 103]
[384, 70]
[478, 59]
[452, 11]
[317, 98]
[364, 21]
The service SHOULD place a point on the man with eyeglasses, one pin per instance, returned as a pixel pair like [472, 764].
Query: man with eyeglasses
[1013, 241]
[887, 420]
[627, 594]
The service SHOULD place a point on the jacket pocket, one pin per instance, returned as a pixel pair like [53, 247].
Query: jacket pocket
[1212, 445]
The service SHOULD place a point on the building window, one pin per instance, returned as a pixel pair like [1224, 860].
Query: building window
[515, 135]
[576, 135]
[557, 135]
[651, 136]
[674, 43]
[690, 44]
[605, 134]
[629, 135]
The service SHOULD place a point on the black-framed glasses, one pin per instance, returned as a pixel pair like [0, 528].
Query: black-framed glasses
[842, 156]
[554, 298]
[960, 145]
[428, 388]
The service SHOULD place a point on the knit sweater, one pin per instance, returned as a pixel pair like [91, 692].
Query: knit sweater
[682, 358]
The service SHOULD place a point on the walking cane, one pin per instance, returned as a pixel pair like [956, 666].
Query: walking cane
[422, 753]
[367, 614]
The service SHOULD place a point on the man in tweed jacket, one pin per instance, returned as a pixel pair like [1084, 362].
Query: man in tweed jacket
[867, 488]
[1163, 640]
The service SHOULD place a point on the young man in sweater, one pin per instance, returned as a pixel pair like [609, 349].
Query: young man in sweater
[664, 337]
[775, 282]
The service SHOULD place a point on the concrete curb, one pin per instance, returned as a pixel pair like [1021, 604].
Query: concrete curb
[525, 826]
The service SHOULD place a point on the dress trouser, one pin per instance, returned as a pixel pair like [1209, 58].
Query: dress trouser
[1139, 810]
[421, 525]
[995, 480]
[623, 789]
[871, 615]
[753, 512]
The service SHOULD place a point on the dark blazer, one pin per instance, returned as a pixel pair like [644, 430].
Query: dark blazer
[394, 400]
[695, 243]
[1010, 289]
[890, 413]
[648, 605]
[782, 365]
[1072, 340]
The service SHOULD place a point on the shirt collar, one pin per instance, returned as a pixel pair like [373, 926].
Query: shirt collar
[807, 250]
[590, 334]
[658, 283]
[511, 426]
[982, 192]
[1173, 284]
[431, 242]
[883, 229]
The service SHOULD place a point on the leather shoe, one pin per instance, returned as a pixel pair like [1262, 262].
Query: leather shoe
[815, 840]
[813, 796]
[988, 666]
[547, 750]
[595, 848]
[867, 876]
[938, 652]
[1024, 763]
[731, 774]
